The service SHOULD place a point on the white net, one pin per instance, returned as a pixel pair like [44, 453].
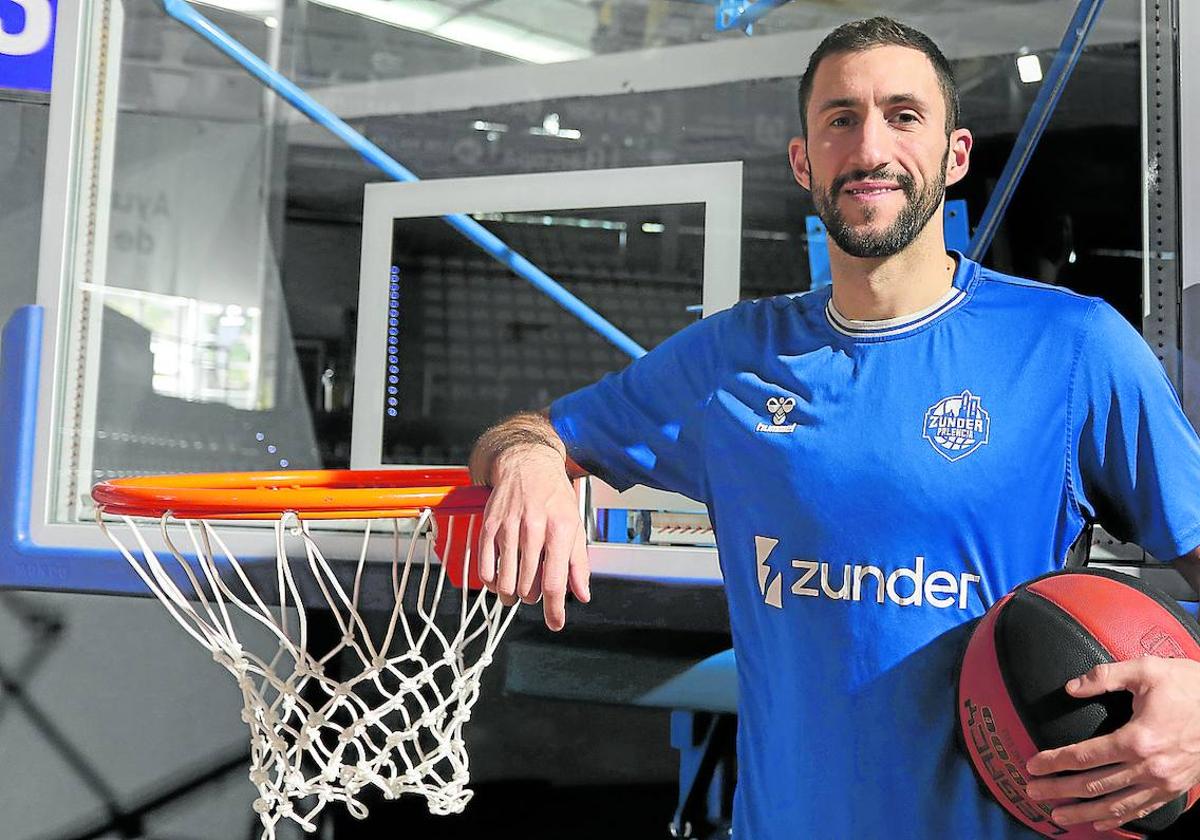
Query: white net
[382, 709]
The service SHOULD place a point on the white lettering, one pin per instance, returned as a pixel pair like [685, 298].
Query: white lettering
[962, 592]
[914, 576]
[938, 585]
[948, 422]
[34, 37]
[843, 592]
[939, 589]
[862, 571]
[810, 569]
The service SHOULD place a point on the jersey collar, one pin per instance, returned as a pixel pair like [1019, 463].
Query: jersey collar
[905, 324]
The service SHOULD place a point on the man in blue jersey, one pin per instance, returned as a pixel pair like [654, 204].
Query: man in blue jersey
[882, 460]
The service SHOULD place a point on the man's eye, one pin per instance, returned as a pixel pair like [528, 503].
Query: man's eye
[906, 117]
[840, 122]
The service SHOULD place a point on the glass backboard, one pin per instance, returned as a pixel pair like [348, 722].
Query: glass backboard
[215, 290]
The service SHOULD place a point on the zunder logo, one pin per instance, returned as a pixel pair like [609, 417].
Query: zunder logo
[956, 426]
[905, 587]
[779, 408]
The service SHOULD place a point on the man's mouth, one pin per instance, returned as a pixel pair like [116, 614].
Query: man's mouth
[866, 190]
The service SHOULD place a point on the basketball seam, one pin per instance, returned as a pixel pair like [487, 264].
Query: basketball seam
[1002, 654]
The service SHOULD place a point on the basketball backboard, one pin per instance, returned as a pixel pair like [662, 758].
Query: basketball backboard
[200, 291]
[170, 338]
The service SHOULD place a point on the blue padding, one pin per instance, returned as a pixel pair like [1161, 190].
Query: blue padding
[710, 685]
[24, 564]
[372, 154]
[743, 14]
[955, 225]
[819, 272]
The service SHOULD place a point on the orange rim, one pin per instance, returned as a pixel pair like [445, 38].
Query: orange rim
[312, 494]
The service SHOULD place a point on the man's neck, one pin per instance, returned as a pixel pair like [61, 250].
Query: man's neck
[891, 287]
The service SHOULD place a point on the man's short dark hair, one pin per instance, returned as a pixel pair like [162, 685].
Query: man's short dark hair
[862, 35]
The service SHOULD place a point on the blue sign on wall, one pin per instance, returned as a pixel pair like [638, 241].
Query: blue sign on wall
[27, 44]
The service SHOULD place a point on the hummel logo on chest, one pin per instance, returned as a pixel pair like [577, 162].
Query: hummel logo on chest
[779, 408]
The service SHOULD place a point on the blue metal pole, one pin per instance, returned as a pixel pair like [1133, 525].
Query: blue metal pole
[1043, 107]
[743, 14]
[183, 12]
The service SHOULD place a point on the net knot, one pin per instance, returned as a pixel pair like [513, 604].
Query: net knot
[305, 670]
[231, 657]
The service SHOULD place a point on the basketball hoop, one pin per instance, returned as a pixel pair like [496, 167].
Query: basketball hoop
[396, 722]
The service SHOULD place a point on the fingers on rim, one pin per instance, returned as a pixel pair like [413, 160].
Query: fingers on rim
[533, 540]
[508, 540]
[487, 545]
[580, 568]
[559, 540]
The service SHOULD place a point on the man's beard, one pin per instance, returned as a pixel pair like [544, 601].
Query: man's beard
[914, 215]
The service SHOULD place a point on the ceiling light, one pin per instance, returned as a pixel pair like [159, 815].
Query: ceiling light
[445, 22]
[264, 9]
[1029, 68]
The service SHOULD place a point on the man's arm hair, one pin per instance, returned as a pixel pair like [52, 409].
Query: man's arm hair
[527, 429]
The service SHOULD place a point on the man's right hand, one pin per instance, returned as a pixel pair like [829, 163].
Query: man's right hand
[532, 544]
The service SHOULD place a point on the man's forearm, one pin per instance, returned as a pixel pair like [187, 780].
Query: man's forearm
[528, 429]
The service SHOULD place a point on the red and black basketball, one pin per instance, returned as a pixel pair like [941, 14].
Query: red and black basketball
[1011, 697]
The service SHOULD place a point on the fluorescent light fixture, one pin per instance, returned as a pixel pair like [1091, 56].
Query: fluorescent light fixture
[552, 128]
[472, 30]
[542, 219]
[1029, 68]
[436, 19]
[653, 227]
[418, 15]
[484, 125]
[508, 39]
[264, 9]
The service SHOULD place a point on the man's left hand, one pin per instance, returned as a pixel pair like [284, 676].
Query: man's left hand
[1149, 761]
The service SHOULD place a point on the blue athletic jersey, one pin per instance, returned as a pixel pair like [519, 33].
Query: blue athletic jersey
[875, 486]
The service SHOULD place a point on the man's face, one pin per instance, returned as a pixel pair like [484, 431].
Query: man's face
[877, 159]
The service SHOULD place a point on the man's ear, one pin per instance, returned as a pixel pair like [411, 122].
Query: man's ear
[798, 157]
[958, 161]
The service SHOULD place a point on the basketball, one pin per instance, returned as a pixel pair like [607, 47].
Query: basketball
[1011, 697]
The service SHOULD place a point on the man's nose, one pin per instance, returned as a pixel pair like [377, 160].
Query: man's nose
[874, 144]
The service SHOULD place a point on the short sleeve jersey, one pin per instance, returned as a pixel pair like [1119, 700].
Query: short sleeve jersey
[875, 486]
